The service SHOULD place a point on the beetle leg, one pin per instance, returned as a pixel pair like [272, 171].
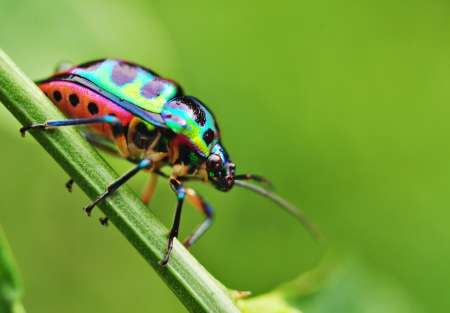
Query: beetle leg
[116, 125]
[149, 189]
[63, 66]
[257, 178]
[104, 220]
[69, 184]
[121, 142]
[102, 143]
[178, 188]
[143, 164]
[109, 119]
[197, 201]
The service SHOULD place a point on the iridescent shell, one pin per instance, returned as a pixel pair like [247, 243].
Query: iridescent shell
[128, 90]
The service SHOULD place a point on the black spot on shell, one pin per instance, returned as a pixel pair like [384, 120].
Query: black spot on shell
[208, 136]
[74, 100]
[57, 95]
[92, 108]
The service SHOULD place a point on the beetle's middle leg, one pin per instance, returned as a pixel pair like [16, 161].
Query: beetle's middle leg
[119, 136]
[119, 139]
[143, 164]
[149, 189]
[69, 184]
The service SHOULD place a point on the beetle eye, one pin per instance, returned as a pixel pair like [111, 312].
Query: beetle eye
[214, 162]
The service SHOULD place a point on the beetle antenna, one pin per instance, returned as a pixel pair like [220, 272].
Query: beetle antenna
[257, 178]
[289, 207]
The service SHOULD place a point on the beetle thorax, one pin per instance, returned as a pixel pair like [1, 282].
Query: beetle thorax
[144, 140]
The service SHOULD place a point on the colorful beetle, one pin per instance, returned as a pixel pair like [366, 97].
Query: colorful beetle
[148, 120]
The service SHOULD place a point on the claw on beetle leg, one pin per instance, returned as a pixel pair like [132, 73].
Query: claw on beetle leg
[25, 129]
[104, 220]
[69, 185]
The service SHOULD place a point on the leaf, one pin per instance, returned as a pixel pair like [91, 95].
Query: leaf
[339, 286]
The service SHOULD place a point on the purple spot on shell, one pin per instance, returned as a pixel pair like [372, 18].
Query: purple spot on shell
[123, 73]
[153, 88]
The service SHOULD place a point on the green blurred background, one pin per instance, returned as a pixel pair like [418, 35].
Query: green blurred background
[344, 104]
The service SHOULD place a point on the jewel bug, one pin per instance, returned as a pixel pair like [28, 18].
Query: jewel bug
[136, 114]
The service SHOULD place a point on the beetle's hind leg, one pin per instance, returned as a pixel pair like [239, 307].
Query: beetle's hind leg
[63, 66]
[116, 125]
[109, 119]
[119, 138]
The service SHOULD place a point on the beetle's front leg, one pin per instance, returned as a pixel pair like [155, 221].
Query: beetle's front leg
[198, 202]
[179, 190]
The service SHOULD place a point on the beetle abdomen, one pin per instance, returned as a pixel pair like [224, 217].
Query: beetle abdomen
[76, 101]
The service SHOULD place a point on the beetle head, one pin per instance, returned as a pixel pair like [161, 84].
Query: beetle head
[220, 169]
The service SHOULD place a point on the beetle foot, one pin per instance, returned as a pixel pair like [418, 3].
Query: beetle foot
[25, 129]
[188, 242]
[69, 185]
[104, 220]
[88, 209]
[165, 260]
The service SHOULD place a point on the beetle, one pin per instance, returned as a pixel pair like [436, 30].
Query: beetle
[147, 119]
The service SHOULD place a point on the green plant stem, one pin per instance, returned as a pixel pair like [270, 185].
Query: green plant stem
[192, 284]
